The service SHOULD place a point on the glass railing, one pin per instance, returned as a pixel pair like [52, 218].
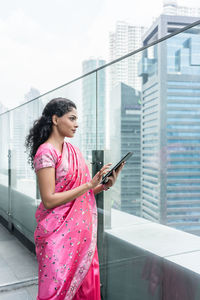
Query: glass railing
[151, 109]
[155, 113]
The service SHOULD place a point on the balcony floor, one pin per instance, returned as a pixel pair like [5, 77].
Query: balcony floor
[18, 276]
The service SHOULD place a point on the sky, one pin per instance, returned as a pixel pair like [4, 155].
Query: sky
[43, 42]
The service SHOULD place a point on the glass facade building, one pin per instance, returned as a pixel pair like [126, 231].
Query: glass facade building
[125, 137]
[170, 129]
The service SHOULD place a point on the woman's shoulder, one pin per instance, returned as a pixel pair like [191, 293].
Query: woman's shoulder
[46, 149]
[43, 148]
[45, 156]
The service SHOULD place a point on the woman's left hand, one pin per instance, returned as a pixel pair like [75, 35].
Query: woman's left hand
[113, 177]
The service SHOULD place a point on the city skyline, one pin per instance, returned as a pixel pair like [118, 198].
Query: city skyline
[36, 48]
[177, 57]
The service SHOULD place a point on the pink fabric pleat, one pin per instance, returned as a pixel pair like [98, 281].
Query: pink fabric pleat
[91, 280]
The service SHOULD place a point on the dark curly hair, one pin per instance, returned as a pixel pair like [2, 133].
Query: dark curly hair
[42, 127]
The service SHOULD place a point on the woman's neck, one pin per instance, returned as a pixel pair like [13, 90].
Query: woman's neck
[57, 143]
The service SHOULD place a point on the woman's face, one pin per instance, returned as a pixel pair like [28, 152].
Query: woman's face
[67, 124]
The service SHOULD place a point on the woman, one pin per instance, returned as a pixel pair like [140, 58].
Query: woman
[66, 232]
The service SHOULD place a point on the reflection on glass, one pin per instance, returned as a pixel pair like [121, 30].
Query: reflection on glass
[4, 178]
[171, 102]
[22, 177]
[160, 124]
[168, 280]
[125, 114]
[89, 94]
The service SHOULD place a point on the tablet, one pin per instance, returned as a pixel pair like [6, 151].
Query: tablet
[125, 158]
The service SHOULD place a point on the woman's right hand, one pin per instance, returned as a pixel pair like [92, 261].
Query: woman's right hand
[96, 180]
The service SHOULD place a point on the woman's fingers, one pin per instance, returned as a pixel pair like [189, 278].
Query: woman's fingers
[98, 176]
[113, 177]
[105, 169]
[114, 174]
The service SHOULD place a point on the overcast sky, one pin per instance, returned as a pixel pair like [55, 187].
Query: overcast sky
[43, 42]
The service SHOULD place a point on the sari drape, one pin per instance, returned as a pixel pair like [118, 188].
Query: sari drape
[65, 236]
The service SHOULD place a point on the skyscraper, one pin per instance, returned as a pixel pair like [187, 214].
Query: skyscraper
[124, 40]
[125, 136]
[93, 94]
[21, 120]
[125, 87]
[170, 7]
[4, 132]
[32, 94]
[170, 188]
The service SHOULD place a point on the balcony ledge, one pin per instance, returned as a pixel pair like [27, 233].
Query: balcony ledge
[172, 245]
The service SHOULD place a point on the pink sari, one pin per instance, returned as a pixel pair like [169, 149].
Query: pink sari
[65, 236]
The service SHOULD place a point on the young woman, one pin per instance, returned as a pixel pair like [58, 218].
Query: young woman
[66, 232]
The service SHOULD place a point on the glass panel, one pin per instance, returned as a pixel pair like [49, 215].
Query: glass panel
[4, 178]
[23, 181]
[101, 109]
[159, 122]
[156, 116]
[88, 116]
[181, 120]
[122, 135]
[122, 264]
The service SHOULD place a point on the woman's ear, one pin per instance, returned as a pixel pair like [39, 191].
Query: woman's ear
[55, 120]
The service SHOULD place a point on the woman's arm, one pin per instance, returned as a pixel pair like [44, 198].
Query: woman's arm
[50, 199]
